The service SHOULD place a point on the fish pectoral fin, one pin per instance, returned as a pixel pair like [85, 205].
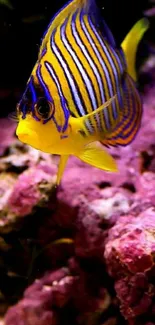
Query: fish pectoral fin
[77, 123]
[98, 110]
[61, 167]
[98, 158]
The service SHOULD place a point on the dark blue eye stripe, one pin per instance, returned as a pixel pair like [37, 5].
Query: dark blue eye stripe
[62, 98]
[46, 91]
[34, 96]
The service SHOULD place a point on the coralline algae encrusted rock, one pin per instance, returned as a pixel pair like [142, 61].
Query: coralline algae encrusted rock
[31, 189]
[146, 187]
[20, 196]
[95, 219]
[63, 296]
[129, 255]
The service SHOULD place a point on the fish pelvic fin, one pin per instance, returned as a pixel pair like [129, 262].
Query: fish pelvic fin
[130, 45]
[61, 168]
[97, 157]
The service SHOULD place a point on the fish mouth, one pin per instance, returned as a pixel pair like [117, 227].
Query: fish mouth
[27, 137]
[31, 139]
[23, 137]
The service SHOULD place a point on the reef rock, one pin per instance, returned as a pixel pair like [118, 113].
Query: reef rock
[61, 297]
[20, 196]
[129, 254]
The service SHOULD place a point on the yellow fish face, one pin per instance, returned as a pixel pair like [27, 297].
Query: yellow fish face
[36, 134]
[40, 124]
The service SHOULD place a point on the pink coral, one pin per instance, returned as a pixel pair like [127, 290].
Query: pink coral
[129, 254]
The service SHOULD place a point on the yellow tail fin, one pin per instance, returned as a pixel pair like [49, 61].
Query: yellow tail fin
[130, 44]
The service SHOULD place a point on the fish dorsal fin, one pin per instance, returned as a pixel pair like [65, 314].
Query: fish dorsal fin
[130, 44]
[95, 13]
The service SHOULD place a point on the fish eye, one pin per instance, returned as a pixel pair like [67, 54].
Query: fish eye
[44, 109]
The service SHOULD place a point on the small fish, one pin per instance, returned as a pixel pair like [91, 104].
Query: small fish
[82, 89]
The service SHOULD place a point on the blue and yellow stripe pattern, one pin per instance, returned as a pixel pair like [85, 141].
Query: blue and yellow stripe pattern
[79, 68]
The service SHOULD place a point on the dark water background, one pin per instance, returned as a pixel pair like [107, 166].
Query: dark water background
[22, 24]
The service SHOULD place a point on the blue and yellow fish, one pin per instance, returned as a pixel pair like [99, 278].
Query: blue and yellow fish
[82, 89]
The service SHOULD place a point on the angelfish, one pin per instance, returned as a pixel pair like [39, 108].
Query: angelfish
[82, 89]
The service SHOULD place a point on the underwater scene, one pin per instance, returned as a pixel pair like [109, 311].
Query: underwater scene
[77, 162]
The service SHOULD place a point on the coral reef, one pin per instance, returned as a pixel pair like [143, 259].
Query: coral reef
[82, 253]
